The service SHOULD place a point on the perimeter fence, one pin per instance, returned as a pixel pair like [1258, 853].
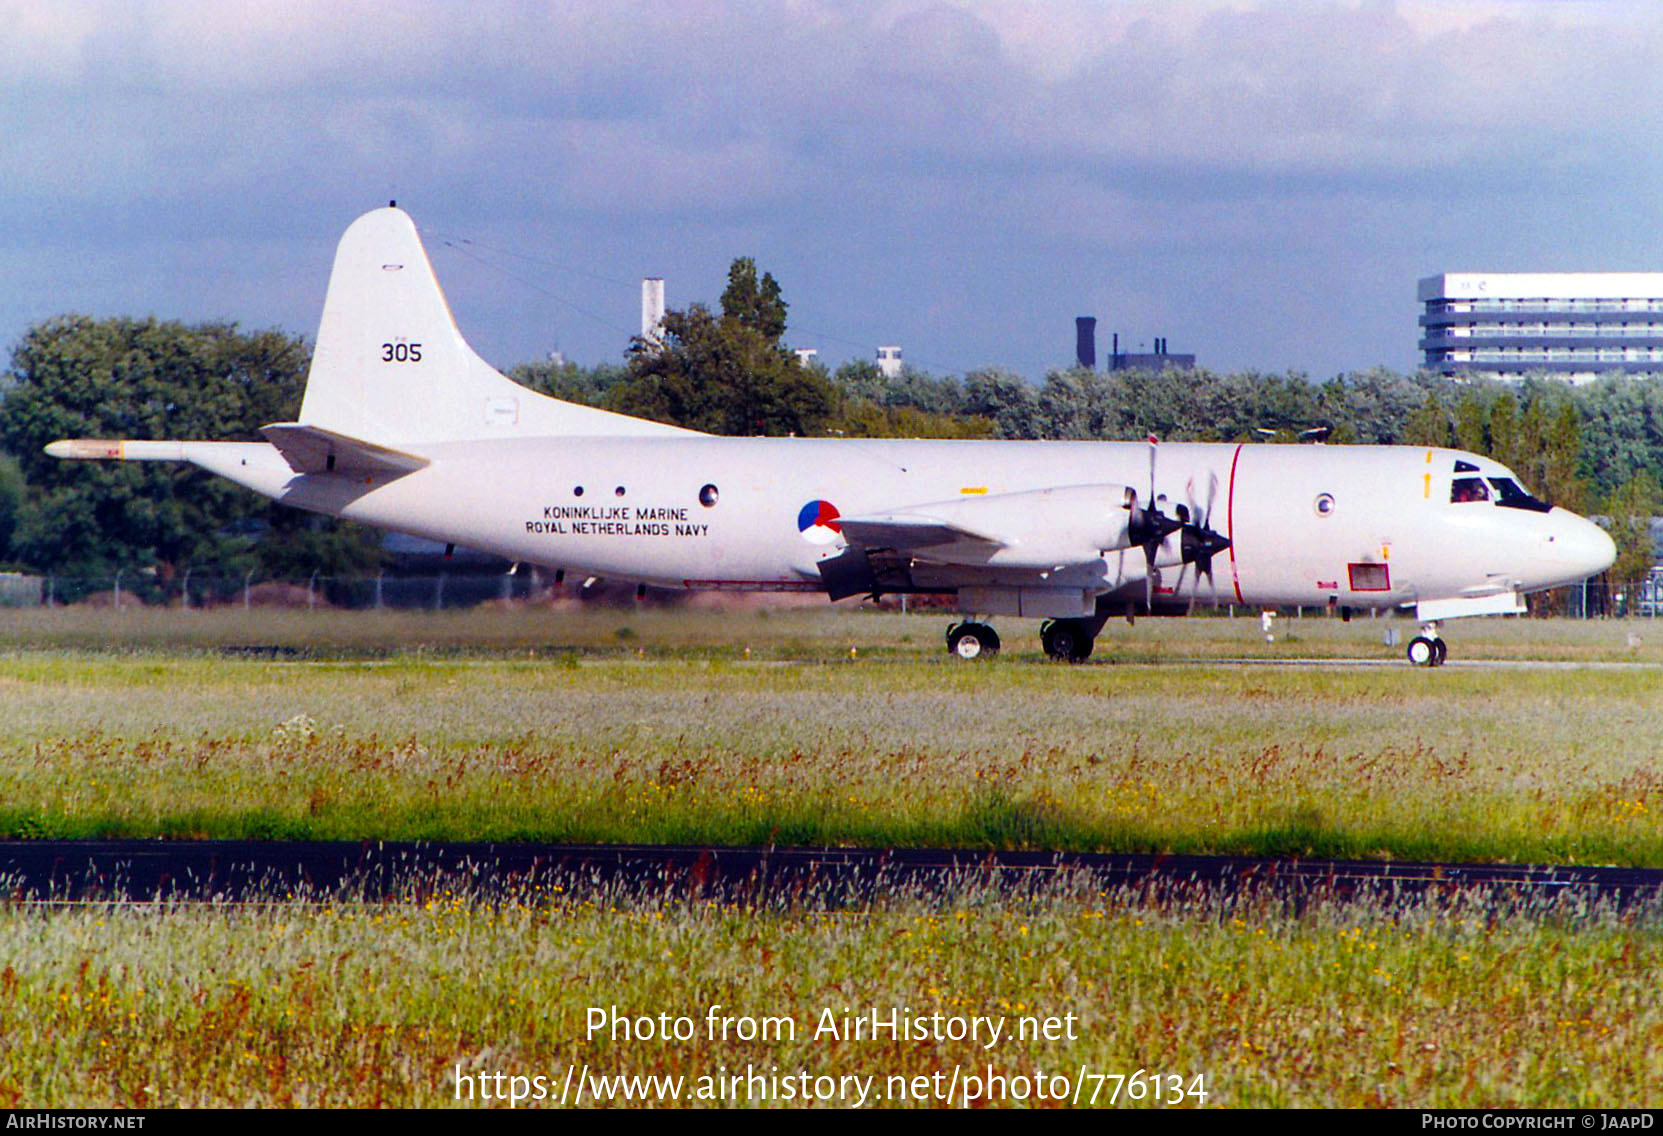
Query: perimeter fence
[421, 592]
[456, 590]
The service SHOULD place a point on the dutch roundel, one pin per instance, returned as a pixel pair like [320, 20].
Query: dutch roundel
[818, 523]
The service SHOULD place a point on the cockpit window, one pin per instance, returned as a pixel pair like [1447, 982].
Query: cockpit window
[1510, 496]
[1468, 489]
[1464, 466]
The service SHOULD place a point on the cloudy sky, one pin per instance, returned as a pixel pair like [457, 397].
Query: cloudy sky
[1261, 183]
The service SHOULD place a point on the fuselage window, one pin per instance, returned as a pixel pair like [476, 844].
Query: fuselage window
[1510, 496]
[1468, 489]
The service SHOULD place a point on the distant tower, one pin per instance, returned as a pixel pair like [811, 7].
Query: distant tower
[652, 308]
[889, 362]
[1085, 342]
[805, 355]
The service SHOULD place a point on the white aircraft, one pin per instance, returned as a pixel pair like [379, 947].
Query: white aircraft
[404, 427]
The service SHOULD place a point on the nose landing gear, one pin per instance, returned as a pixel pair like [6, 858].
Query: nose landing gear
[1428, 648]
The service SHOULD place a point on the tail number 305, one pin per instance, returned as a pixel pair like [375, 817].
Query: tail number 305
[401, 353]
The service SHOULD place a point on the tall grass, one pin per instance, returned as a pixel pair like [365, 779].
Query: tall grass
[803, 628]
[1496, 763]
[508, 724]
[337, 1003]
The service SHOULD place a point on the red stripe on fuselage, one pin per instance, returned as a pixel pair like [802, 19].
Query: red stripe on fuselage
[1230, 523]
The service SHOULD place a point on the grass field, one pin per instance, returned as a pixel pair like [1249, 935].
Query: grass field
[1345, 1004]
[651, 725]
[526, 728]
[798, 628]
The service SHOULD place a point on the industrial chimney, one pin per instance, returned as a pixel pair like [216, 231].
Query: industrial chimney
[652, 308]
[1085, 342]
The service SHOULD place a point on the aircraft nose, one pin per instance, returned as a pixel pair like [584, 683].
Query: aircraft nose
[1582, 546]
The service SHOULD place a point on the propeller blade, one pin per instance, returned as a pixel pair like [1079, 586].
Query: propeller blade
[1199, 542]
[1178, 588]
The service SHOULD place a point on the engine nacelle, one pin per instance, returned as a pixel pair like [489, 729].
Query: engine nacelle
[1040, 528]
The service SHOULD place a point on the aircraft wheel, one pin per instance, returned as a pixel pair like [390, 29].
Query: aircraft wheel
[1440, 652]
[1066, 641]
[1424, 652]
[972, 640]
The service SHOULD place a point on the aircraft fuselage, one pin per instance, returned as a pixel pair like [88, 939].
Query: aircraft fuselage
[1357, 526]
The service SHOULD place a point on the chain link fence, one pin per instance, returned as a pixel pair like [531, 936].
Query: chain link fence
[452, 590]
[404, 592]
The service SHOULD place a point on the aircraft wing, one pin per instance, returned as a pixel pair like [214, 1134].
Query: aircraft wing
[1041, 528]
[311, 449]
[1030, 538]
[908, 532]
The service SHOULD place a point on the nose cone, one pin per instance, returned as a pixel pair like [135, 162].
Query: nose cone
[1580, 548]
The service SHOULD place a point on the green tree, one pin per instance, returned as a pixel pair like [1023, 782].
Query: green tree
[1005, 398]
[1622, 419]
[1504, 431]
[1549, 451]
[1631, 509]
[861, 373]
[727, 374]
[754, 303]
[1471, 417]
[77, 377]
[11, 502]
[569, 382]
[862, 418]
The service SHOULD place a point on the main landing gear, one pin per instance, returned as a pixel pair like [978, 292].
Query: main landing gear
[970, 640]
[1065, 640]
[1069, 640]
[1428, 648]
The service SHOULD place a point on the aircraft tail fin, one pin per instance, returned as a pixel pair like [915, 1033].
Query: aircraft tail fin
[391, 367]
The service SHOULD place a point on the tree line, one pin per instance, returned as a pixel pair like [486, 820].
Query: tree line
[1596, 447]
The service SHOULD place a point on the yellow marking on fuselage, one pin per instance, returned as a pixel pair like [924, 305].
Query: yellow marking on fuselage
[1427, 492]
[973, 489]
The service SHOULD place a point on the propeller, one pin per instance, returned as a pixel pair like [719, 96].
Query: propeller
[1198, 542]
[1150, 527]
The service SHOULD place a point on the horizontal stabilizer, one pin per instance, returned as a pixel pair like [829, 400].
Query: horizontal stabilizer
[311, 449]
[905, 531]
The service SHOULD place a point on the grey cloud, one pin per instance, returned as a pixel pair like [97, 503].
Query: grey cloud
[1073, 151]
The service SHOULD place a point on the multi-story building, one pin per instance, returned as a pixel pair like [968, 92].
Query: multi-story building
[1576, 325]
